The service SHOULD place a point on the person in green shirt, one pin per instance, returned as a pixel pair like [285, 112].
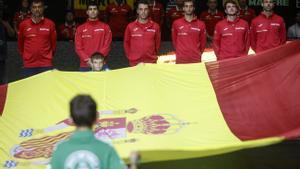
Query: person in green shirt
[82, 150]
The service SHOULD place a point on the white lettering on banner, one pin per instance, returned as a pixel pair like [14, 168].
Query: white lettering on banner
[278, 2]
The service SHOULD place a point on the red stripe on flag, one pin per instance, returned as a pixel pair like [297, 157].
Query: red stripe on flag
[3, 91]
[259, 96]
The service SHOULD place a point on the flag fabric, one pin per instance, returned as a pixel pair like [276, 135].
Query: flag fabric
[164, 111]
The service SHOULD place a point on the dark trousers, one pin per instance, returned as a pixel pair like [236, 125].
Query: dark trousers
[27, 72]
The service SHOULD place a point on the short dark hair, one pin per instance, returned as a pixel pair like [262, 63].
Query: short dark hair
[92, 3]
[145, 2]
[83, 110]
[193, 1]
[97, 55]
[232, 2]
[37, 1]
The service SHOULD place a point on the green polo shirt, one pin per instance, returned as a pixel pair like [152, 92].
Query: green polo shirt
[83, 150]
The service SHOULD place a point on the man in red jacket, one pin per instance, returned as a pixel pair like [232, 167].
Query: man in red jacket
[142, 37]
[211, 17]
[157, 12]
[118, 16]
[231, 38]
[67, 29]
[92, 36]
[245, 12]
[36, 41]
[188, 35]
[267, 29]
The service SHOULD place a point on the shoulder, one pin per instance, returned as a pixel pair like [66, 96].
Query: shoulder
[279, 18]
[155, 25]
[178, 21]
[25, 22]
[243, 22]
[49, 22]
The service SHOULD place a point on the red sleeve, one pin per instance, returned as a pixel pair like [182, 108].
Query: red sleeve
[174, 35]
[247, 39]
[127, 41]
[253, 36]
[282, 33]
[53, 38]
[203, 38]
[79, 45]
[21, 39]
[157, 39]
[217, 40]
[107, 41]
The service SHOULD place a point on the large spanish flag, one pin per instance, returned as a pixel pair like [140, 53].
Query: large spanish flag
[167, 112]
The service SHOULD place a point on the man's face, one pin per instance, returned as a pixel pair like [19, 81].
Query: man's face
[212, 4]
[188, 8]
[268, 5]
[69, 17]
[37, 9]
[25, 3]
[143, 11]
[92, 12]
[243, 3]
[231, 9]
[97, 64]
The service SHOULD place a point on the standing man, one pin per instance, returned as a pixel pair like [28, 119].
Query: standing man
[92, 36]
[267, 29]
[294, 30]
[118, 17]
[67, 30]
[188, 35]
[37, 41]
[157, 12]
[82, 149]
[231, 38]
[211, 17]
[246, 13]
[23, 14]
[142, 37]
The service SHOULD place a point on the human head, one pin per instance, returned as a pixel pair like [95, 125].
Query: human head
[212, 4]
[143, 9]
[243, 3]
[25, 4]
[92, 10]
[231, 7]
[120, 1]
[188, 7]
[83, 111]
[37, 8]
[69, 17]
[268, 5]
[97, 61]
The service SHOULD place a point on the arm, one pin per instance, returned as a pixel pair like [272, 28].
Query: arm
[247, 40]
[157, 40]
[282, 32]
[202, 38]
[127, 41]
[79, 45]
[10, 31]
[253, 36]
[174, 35]
[107, 41]
[21, 39]
[217, 41]
[53, 38]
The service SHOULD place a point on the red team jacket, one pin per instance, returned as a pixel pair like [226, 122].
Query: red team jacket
[37, 42]
[210, 20]
[157, 12]
[231, 39]
[142, 42]
[189, 40]
[267, 33]
[247, 14]
[91, 37]
[20, 16]
[118, 18]
[67, 32]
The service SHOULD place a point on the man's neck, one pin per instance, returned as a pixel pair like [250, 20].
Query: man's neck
[212, 11]
[37, 19]
[268, 13]
[188, 18]
[83, 128]
[231, 18]
[93, 19]
[70, 22]
[142, 21]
